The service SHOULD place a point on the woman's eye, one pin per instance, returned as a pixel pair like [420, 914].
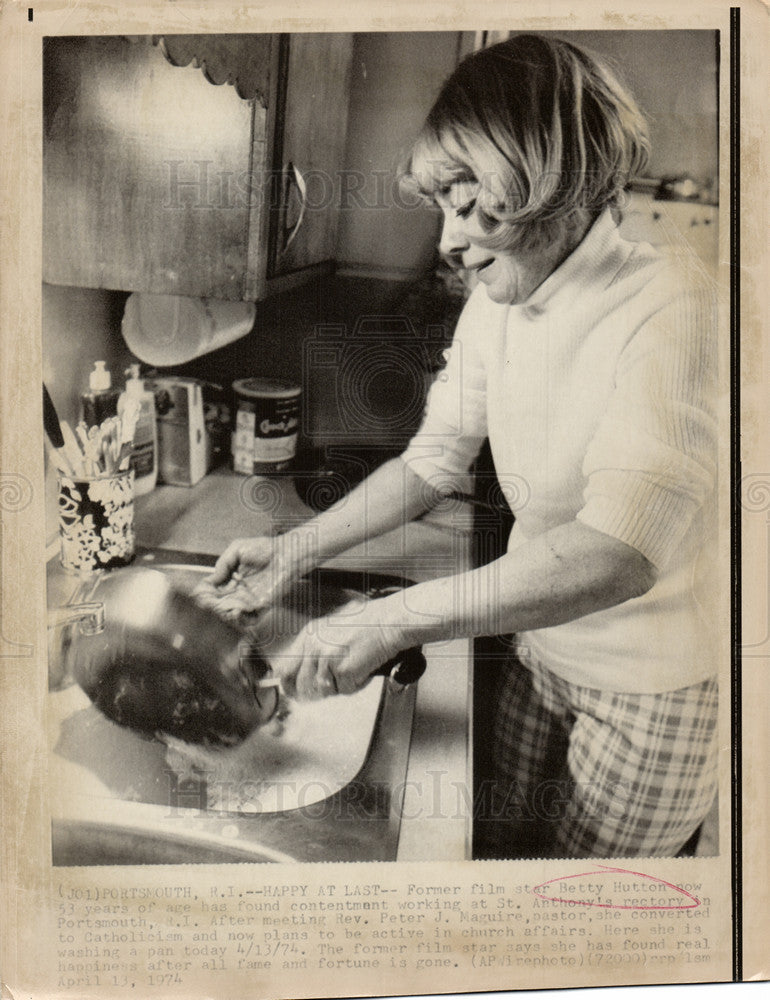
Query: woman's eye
[465, 210]
[487, 221]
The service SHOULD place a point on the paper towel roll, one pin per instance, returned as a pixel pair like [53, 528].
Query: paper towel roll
[166, 330]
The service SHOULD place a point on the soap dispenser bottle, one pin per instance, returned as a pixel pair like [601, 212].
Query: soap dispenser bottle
[144, 453]
[101, 400]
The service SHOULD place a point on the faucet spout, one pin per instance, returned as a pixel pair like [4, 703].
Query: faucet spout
[88, 615]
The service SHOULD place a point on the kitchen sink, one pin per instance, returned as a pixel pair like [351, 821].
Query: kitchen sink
[325, 783]
[106, 842]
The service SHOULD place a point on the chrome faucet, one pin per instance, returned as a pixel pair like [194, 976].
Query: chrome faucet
[88, 615]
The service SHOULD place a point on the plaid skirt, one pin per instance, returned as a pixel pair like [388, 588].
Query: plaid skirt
[583, 773]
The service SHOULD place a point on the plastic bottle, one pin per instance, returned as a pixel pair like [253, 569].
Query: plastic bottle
[101, 401]
[144, 455]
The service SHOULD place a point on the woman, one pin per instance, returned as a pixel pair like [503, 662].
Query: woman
[588, 363]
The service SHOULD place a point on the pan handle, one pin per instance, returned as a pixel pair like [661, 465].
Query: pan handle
[405, 668]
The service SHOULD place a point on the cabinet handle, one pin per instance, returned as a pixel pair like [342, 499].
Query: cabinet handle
[292, 176]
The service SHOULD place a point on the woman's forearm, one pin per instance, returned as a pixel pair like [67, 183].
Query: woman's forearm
[390, 497]
[569, 572]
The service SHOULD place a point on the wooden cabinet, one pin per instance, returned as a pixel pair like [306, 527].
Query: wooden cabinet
[160, 177]
[311, 138]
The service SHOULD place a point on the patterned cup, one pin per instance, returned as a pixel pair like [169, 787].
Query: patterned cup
[96, 521]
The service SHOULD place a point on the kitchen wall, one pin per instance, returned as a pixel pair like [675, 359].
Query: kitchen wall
[80, 325]
[673, 76]
[360, 348]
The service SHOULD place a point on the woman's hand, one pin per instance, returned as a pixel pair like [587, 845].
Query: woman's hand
[338, 654]
[255, 573]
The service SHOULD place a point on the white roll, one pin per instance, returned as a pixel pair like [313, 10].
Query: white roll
[166, 330]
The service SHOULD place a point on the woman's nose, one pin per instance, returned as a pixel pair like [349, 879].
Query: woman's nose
[453, 239]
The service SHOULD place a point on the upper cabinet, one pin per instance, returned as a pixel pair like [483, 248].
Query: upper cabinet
[311, 136]
[192, 165]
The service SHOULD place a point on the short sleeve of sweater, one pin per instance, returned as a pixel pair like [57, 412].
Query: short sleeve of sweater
[455, 422]
[651, 464]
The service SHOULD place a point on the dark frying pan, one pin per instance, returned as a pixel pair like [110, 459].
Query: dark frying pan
[164, 664]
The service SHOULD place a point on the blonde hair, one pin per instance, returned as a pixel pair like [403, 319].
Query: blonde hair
[547, 130]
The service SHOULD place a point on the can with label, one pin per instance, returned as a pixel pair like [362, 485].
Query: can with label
[266, 425]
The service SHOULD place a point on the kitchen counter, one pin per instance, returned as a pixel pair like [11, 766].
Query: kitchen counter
[224, 506]
[204, 519]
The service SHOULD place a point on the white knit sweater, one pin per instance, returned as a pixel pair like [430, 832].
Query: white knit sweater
[598, 398]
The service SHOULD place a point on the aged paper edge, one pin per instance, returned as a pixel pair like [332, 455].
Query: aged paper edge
[20, 360]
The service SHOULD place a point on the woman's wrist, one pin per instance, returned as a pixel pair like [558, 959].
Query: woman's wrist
[405, 626]
[299, 549]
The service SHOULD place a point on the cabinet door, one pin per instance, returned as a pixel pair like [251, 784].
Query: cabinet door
[148, 172]
[311, 137]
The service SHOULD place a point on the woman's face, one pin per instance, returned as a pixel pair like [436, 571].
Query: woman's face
[508, 277]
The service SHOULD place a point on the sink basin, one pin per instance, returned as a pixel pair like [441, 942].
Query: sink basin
[323, 785]
[114, 843]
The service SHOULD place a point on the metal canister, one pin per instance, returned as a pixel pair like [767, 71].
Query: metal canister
[267, 414]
